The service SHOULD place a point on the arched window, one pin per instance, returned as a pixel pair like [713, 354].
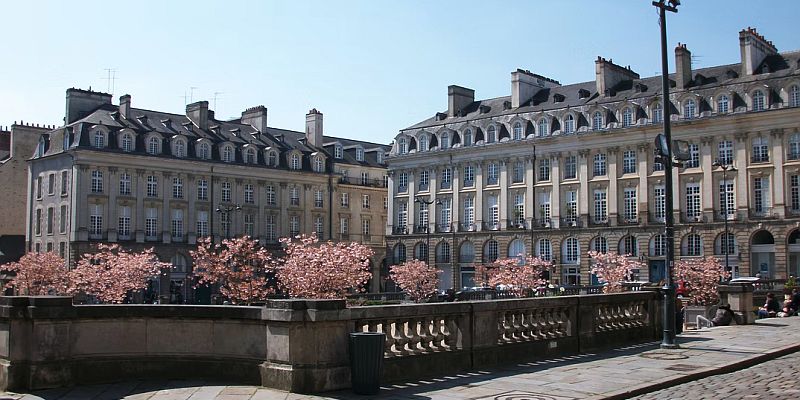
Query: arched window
[295, 161]
[692, 245]
[794, 96]
[599, 244]
[466, 254]
[516, 249]
[273, 159]
[227, 153]
[544, 249]
[402, 145]
[444, 142]
[518, 131]
[443, 252]
[319, 165]
[99, 139]
[179, 264]
[127, 142]
[627, 117]
[421, 251]
[597, 121]
[658, 246]
[468, 137]
[569, 124]
[204, 151]
[759, 101]
[725, 240]
[657, 113]
[490, 251]
[723, 104]
[571, 251]
[180, 148]
[154, 145]
[250, 156]
[491, 134]
[689, 109]
[399, 253]
[544, 129]
[423, 142]
[629, 246]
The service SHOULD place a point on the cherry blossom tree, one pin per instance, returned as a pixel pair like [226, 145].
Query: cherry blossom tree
[240, 266]
[112, 272]
[322, 270]
[38, 274]
[418, 279]
[702, 276]
[519, 277]
[613, 269]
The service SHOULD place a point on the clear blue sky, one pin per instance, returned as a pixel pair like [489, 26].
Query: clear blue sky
[372, 67]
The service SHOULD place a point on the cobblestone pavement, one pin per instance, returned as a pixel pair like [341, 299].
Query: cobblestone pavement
[614, 374]
[776, 379]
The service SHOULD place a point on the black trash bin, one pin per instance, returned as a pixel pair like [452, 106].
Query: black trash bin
[366, 361]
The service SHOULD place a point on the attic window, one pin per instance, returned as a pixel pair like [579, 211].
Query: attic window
[115, 115]
[765, 69]
[640, 87]
[215, 129]
[359, 154]
[558, 98]
[167, 123]
[731, 74]
[188, 126]
[506, 105]
[235, 132]
[142, 120]
[583, 93]
[338, 152]
[440, 116]
[484, 109]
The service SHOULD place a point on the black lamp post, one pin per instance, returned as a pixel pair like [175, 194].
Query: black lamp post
[427, 203]
[725, 212]
[227, 210]
[668, 338]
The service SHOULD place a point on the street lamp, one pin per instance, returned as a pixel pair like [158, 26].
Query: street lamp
[420, 200]
[227, 210]
[725, 212]
[668, 338]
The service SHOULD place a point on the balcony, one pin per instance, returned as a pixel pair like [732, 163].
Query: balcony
[763, 213]
[599, 221]
[793, 155]
[491, 226]
[444, 228]
[516, 224]
[352, 180]
[421, 228]
[720, 216]
[571, 222]
[469, 183]
[543, 223]
[467, 227]
[693, 218]
[400, 230]
[492, 181]
[760, 158]
[402, 189]
[445, 185]
[629, 220]
[423, 187]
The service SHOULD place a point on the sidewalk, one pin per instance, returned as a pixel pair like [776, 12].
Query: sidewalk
[613, 374]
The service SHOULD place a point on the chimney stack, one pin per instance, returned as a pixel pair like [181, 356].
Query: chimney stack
[314, 128]
[198, 113]
[82, 102]
[754, 48]
[608, 75]
[256, 117]
[683, 66]
[458, 98]
[525, 84]
[125, 106]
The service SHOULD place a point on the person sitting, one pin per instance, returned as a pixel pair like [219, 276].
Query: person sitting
[787, 310]
[723, 317]
[795, 300]
[770, 308]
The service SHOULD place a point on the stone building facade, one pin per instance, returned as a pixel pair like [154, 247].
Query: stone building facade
[146, 178]
[557, 170]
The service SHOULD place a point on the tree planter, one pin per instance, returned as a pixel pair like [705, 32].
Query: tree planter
[691, 313]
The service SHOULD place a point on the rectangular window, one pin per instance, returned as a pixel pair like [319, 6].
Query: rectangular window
[225, 224]
[319, 227]
[402, 182]
[694, 154]
[494, 212]
[249, 224]
[152, 186]
[96, 221]
[294, 196]
[402, 214]
[492, 174]
[424, 180]
[62, 250]
[38, 224]
[272, 232]
[630, 205]
[318, 198]
[63, 220]
[345, 200]
[761, 196]
[202, 189]
[760, 151]
[202, 224]
[571, 207]
[629, 162]
[659, 208]
[51, 184]
[693, 201]
[64, 183]
[519, 209]
[570, 167]
[249, 193]
[125, 184]
[447, 178]
[600, 163]
[39, 186]
[50, 220]
[725, 152]
[544, 169]
[364, 178]
[124, 223]
[794, 184]
[445, 214]
[518, 175]
[727, 200]
[294, 225]
[151, 224]
[422, 215]
[344, 227]
[469, 176]
[544, 208]
[270, 193]
[365, 229]
[600, 206]
[226, 191]
[177, 188]
[97, 183]
[177, 225]
[365, 201]
[469, 211]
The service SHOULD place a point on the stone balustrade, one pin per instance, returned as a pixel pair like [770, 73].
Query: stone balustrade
[301, 345]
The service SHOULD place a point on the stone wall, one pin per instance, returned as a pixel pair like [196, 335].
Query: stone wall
[300, 345]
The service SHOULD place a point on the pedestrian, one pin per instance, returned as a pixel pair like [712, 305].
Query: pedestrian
[770, 308]
[795, 299]
[680, 315]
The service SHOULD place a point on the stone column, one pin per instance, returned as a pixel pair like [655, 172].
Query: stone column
[612, 194]
[740, 298]
[166, 192]
[283, 202]
[778, 197]
[307, 204]
[260, 229]
[530, 201]
[412, 214]
[139, 193]
[503, 202]
[190, 221]
[707, 184]
[478, 194]
[112, 190]
[742, 183]
[643, 195]
[390, 205]
[583, 190]
[555, 200]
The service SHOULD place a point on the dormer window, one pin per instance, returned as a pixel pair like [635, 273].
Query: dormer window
[491, 134]
[518, 131]
[569, 124]
[627, 117]
[359, 154]
[583, 93]
[203, 151]
[423, 142]
[445, 140]
[380, 157]
[126, 142]
[544, 127]
[294, 162]
[319, 164]
[98, 139]
[272, 159]
[758, 100]
[180, 148]
[154, 145]
[689, 109]
[468, 137]
[227, 153]
[250, 156]
[402, 146]
[338, 153]
[558, 98]
[597, 121]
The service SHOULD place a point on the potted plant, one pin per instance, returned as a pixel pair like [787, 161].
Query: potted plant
[790, 285]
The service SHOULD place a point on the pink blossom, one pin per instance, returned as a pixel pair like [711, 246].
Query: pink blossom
[418, 279]
[702, 277]
[240, 266]
[518, 277]
[613, 269]
[38, 274]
